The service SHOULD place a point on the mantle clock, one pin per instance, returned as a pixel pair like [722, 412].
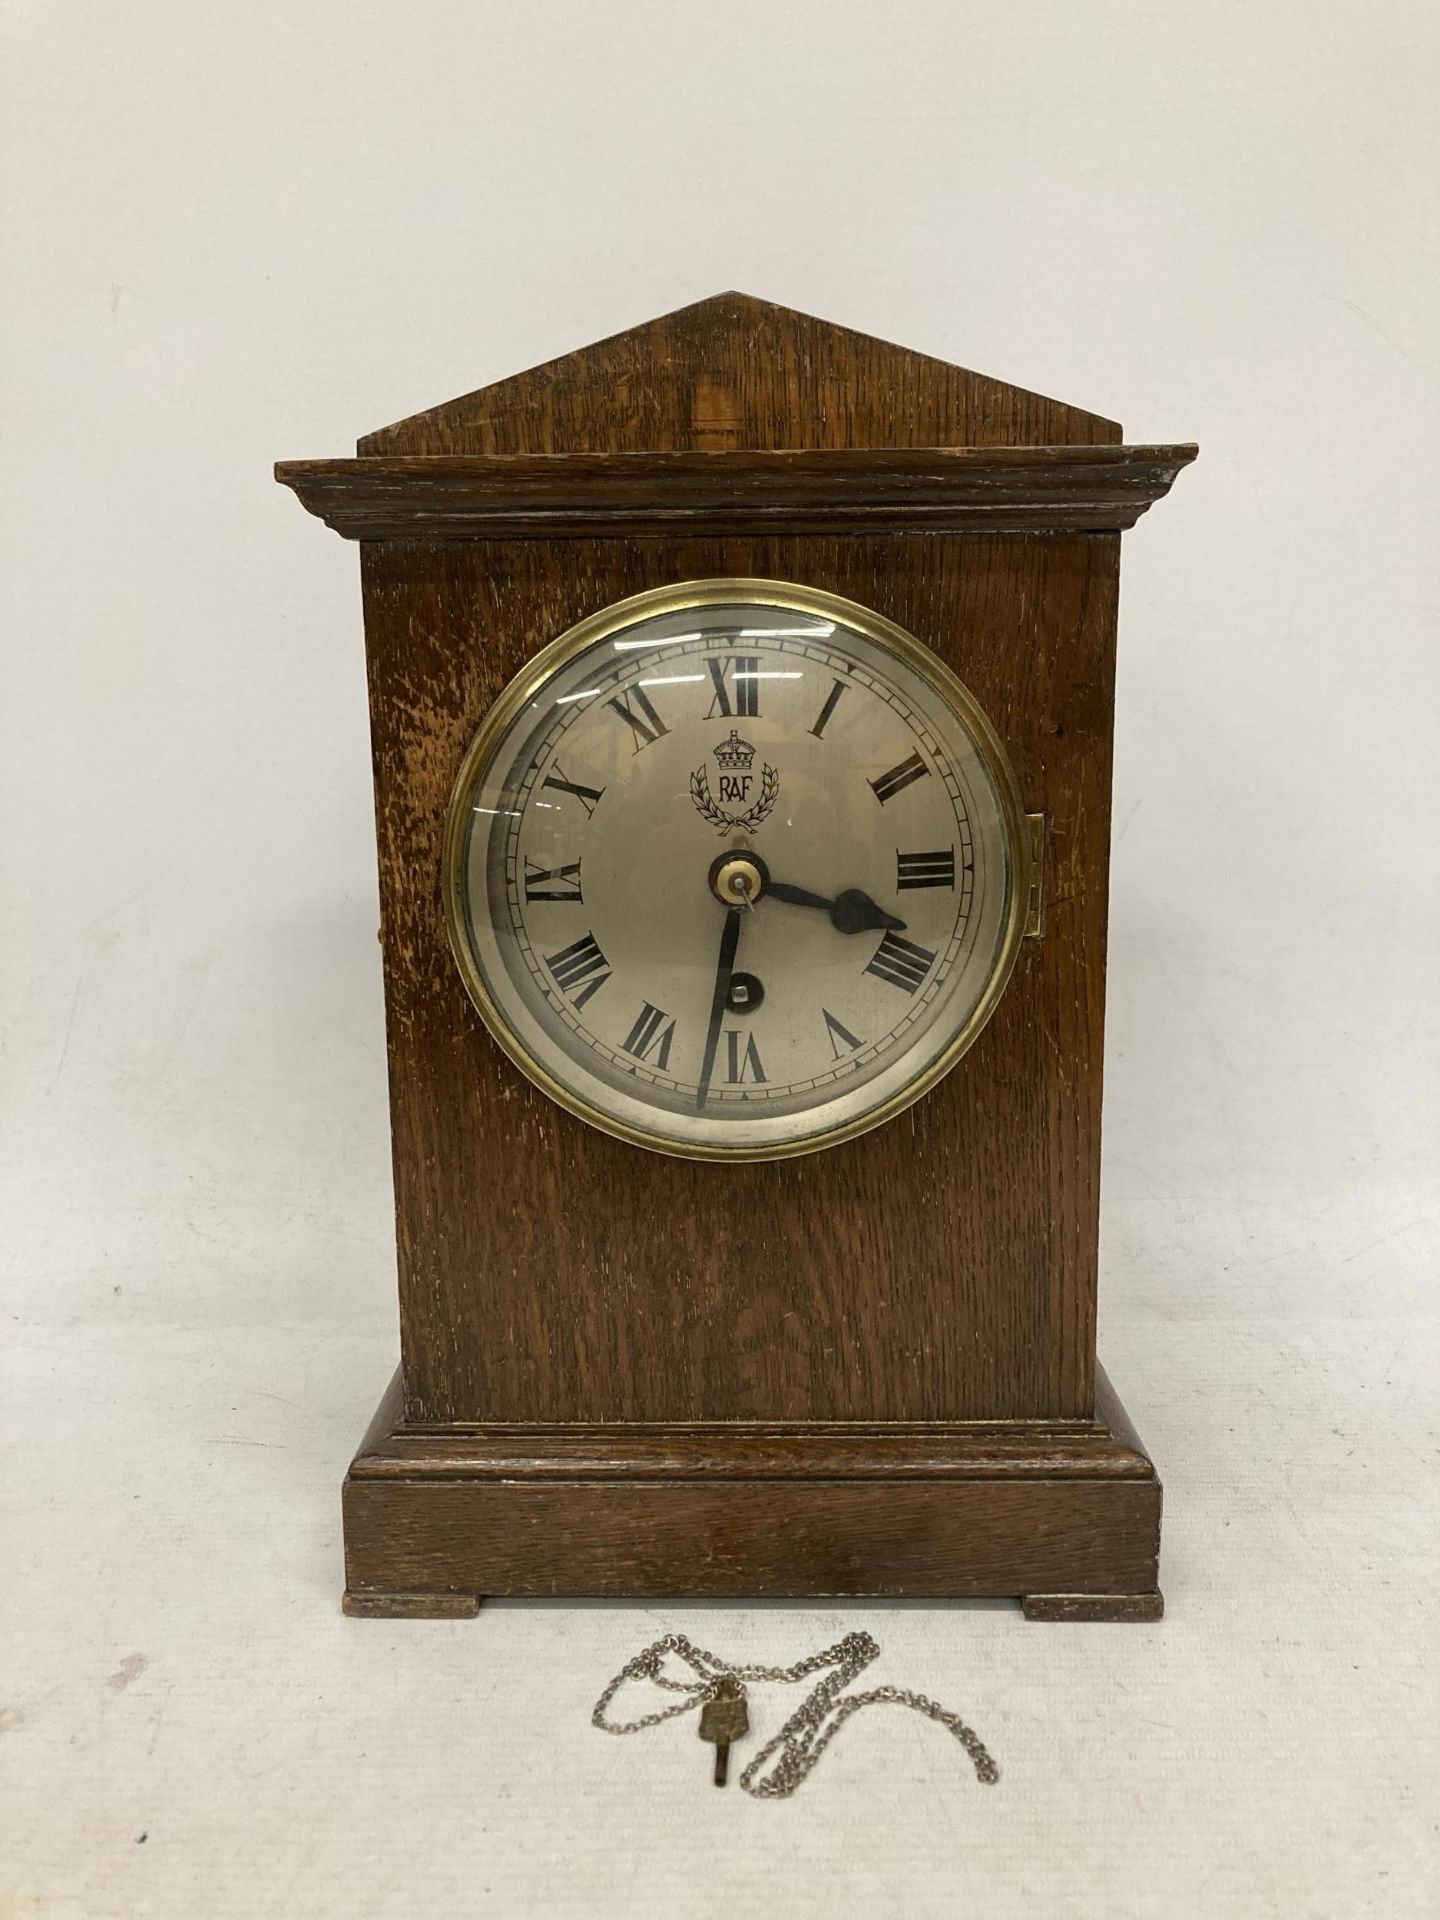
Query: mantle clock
[741, 692]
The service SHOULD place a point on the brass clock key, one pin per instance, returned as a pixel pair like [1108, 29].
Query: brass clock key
[782, 1765]
[723, 1718]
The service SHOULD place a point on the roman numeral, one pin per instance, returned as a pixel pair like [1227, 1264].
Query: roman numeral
[646, 725]
[898, 778]
[552, 883]
[832, 700]
[840, 1037]
[901, 963]
[589, 797]
[646, 1033]
[925, 869]
[738, 1064]
[746, 674]
[580, 969]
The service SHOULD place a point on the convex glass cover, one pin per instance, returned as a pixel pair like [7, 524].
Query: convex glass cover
[735, 869]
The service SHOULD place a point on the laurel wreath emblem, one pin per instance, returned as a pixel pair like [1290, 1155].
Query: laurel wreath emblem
[716, 814]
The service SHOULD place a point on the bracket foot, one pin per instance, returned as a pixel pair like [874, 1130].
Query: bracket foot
[409, 1606]
[1094, 1606]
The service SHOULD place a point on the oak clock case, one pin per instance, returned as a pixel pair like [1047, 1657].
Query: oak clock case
[734, 683]
[736, 945]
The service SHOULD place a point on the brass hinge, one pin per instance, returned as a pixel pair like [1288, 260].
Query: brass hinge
[1035, 898]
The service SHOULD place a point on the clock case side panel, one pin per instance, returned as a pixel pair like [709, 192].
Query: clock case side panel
[939, 1269]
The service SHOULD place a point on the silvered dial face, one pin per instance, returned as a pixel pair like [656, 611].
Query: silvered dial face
[732, 869]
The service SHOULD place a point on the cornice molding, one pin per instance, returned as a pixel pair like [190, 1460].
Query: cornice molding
[736, 491]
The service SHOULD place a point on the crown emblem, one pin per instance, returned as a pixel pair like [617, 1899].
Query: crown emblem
[734, 755]
[733, 758]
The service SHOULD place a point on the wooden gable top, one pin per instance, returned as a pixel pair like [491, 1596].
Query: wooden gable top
[734, 372]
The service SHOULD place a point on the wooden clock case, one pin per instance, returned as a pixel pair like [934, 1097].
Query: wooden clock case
[867, 1371]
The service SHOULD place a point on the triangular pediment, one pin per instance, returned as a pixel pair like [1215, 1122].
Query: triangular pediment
[734, 371]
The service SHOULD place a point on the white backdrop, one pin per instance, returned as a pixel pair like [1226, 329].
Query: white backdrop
[241, 232]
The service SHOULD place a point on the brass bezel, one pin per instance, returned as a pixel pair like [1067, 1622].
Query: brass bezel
[556, 655]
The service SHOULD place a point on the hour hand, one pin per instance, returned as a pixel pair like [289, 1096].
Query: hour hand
[852, 911]
[797, 896]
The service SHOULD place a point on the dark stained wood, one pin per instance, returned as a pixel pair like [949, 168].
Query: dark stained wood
[741, 1538]
[395, 1449]
[751, 1292]
[364, 1605]
[649, 496]
[435, 1520]
[1110, 1414]
[867, 1371]
[1028, 1450]
[733, 371]
[1112, 1607]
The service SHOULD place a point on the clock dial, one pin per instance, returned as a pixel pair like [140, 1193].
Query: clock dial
[735, 869]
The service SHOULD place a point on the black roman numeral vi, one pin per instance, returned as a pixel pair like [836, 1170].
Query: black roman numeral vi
[738, 1064]
[580, 969]
[647, 726]
[552, 883]
[925, 869]
[901, 963]
[746, 674]
[898, 778]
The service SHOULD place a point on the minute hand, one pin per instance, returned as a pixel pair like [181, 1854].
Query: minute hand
[850, 912]
[729, 941]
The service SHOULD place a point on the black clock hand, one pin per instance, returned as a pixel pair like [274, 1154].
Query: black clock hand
[797, 896]
[729, 941]
[850, 912]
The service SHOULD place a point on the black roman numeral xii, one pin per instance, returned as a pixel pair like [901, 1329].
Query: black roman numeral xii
[745, 669]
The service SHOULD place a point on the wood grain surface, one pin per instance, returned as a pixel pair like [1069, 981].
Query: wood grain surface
[734, 371]
[1064, 1515]
[1069, 1608]
[940, 1268]
[648, 496]
[1105, 1447]
[871, 1370]
[736, 1538]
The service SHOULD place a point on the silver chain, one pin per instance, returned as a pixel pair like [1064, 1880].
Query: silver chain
[808, 1731]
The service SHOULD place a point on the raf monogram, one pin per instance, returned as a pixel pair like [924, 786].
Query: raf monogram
[733, 758]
